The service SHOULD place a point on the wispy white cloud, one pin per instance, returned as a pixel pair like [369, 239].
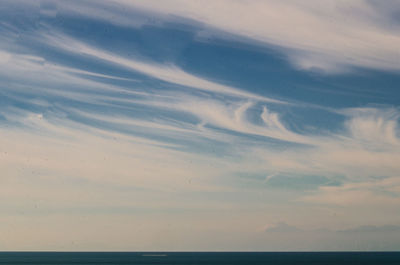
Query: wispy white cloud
[331, 36]
[373, 192]
[370, 134]
[68, 143]
[169, 73]
[351, 152]
[374, 126]
[233, 116]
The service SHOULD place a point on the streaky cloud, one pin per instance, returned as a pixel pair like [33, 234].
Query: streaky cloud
[169, 73]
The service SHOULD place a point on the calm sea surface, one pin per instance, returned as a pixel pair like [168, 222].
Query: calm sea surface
[273, 258]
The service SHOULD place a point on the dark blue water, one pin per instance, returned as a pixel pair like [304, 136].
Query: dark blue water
[235, 258]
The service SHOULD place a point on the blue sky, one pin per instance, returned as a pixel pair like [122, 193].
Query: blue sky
[185, 125]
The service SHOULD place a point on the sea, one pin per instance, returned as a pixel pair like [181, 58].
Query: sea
[193, 258]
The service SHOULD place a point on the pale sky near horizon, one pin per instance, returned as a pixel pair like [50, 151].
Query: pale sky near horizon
[200, 125]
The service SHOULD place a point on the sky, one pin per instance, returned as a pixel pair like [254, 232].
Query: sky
[200, 125]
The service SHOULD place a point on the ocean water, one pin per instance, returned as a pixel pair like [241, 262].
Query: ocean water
[192, 258]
